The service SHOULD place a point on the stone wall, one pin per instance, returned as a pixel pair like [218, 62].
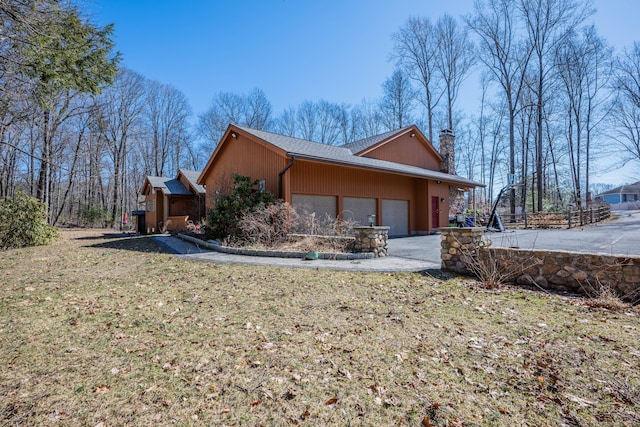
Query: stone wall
[570, 271]
[456, 243]
[554, 270]
[371, 239]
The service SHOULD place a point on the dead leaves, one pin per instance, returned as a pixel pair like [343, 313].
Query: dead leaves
[331, 401]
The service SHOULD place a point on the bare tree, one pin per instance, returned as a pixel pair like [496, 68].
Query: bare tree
[307, 118]
[167, 116]
[506, 56]
[397, 101]
[347, 126]
[548, 23]
[415, 51]
[454, 60]
[581, 62]
[626, 105]
[253, 110]
[367, 119]
[257, 110]
[119, 117]
[225, 108]
[328, 122]
[285, 124]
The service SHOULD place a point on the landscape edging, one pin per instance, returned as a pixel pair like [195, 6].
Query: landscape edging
[274, 254]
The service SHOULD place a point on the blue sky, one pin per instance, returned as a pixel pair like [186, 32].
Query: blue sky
[294, 50]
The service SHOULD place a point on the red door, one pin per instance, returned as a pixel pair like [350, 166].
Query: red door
[435, 212]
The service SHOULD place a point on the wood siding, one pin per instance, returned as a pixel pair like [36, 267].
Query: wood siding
[246, 157]
[341, 181]
[407, 150]
[323, 178]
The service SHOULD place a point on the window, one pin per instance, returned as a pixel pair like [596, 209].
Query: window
[151, 205]
[262, 185]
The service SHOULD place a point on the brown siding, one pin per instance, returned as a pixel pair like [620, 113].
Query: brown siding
[322, 178]
[150, 218]
[423, 210]
[407, 150]
[180, 205]
[245, 157]
[326, 179]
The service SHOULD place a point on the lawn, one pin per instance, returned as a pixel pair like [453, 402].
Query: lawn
[101, 330]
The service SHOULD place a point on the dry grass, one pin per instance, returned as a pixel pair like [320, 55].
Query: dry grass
[106, 331]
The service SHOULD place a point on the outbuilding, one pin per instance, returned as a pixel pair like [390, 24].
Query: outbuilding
[170, 203]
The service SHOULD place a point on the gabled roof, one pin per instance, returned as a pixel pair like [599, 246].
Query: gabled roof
[300, 148]
[173, 186]
[363, 144]
[170, 186]
[192, 178]
[624, 189]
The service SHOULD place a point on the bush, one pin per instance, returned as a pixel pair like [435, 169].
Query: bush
[279, 225]
[23, 222]
[268, 226]
[93, 214]
[232, 205]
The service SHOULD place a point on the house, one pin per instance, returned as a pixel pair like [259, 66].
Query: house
[395, 176]
[171, 202]
[623, 194]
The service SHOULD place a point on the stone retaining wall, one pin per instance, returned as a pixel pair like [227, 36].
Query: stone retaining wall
[555, 270]
[371, 240]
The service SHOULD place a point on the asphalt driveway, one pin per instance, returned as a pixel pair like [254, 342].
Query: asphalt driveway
[617, 236]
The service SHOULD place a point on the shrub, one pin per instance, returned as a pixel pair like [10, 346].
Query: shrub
[280, 225]
[230, 207]
[23, 222]
[269, 225]
[92, 214]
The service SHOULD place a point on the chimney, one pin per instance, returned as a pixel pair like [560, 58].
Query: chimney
[447, 151]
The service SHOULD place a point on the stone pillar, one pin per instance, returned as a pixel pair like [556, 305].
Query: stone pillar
[371, 239]
[458, 243]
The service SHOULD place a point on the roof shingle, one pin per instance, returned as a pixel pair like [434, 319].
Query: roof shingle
[295, 147]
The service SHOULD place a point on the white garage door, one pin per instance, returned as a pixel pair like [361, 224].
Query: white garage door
[357, 209]
[322, 206]
[395, 214]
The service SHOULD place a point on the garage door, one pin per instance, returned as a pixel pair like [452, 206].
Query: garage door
[322, 206]
[395, 214]
[357, 209]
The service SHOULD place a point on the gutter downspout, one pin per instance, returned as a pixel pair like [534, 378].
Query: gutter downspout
[281, 173]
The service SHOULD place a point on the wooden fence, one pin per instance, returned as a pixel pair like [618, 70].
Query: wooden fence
[570, 219]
